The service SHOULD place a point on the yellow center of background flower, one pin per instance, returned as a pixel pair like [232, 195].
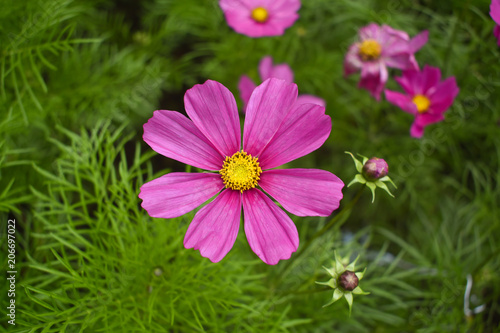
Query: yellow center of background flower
[422, 103]
[240, 172]
[370, 50]
[260, 14]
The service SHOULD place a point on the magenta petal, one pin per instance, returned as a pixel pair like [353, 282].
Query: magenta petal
[371, 31]
[173, 135]
[495, 11]
[304, 130]
[304, 192]
[177, 193]
[246, 87]
[400, 61]
[269, 105]
[407, 82]
[282, 14]
[265, 68]
[418, 41]
[428, 118]
[352, 62]
[496, 33]
[310, 99]
[279, 7]
[444, 94]
[270, 232]
[430, 77]
[215, 227]
[212, 108]
[268, 70]
[404, 102]
[416, 131]
[373, 78]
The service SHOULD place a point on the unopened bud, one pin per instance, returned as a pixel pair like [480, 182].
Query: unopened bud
[348, 280]
[375, 168]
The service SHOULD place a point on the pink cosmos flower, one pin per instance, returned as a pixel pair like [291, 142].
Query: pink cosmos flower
[259, 18]
[380, 47]
[495, 15]
[276, 131]
[427, 98]
[268, 70]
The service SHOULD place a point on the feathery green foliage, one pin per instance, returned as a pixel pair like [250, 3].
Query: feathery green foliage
[78, 79]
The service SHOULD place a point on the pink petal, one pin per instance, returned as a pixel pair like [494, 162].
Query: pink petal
[404, 102]
[265, 68]
[282, 14]
[444, 94]
[173, 135]
[418, 41]
[280, 7]
[215, 227]
[371, 31]
[389, 31]
[352, 61]
[416, 131]
[304, 130]
[373, 78]
[246, 87]
[269, 104]
[177, 193]
[304, 192]
[430, 77]
[495, 11]
[428, 118]
[496, 33]
[310, 99]
[280, 71]
[407, 82]
[270, 232]
[394, 46]
[399, 61]
[212, 108]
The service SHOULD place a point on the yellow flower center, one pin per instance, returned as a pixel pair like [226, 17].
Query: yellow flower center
[240, 172]
[422, 103]
[370, 50]
[260, 14]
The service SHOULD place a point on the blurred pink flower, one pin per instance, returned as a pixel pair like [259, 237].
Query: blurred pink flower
[495, 15]
[259, 18]
[276, 131]
[380, 47]
[268, 70]
[427, 98]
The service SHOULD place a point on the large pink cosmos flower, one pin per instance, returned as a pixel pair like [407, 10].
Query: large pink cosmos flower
[380, 47]
[427, 98]
[259, 18]
[276, 131]
[268, 70]
[495, 15]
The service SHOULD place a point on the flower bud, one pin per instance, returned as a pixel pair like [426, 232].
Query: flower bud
[348, 280]
[375, 168]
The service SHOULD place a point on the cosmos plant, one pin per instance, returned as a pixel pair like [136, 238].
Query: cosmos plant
[276, 131]
[268, 70]
[378, 48]
[426, 97]
[260, 18]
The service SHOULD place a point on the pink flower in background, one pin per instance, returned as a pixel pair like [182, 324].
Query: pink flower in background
[427, 97]
[380, 47]
[276, 131]
[268, 70]
[495, 15]
[259, 18]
